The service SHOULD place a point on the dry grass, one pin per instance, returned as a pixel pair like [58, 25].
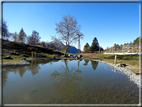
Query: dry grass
[131, 60]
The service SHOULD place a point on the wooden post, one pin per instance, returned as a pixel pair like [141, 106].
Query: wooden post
[35, 54]
[32, 63]
[115, 58]
[32, 54]
[115, 70]
[14, 51]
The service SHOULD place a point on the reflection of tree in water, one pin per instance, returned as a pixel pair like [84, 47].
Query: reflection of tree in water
[6, 70]
[67, 81]
[4, 76]
[21, 69]
[86, 62]
[33, 67]
[94, 64]
[78, 71]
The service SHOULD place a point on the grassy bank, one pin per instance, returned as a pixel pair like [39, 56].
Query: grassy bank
[131, 60]
[24, 51]
[128, 59]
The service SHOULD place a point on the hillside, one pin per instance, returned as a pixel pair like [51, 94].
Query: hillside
[24, 51]
[132, 47]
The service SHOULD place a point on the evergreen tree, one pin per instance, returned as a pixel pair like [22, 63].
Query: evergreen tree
[22, 36]
[5, 33]
[86, 47]
[101, 49]
[95, 45]
[136, 41]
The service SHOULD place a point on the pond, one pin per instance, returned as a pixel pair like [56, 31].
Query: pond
[67, 82]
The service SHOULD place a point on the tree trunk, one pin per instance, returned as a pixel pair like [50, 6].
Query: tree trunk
[66, 50]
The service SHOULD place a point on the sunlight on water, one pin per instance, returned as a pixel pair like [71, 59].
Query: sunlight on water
[67, 82]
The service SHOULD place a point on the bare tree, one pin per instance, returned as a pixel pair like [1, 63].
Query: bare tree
[67, 29]
[22, 36]
[34, 39]
[14, 37]
[43, 44]
[63, 48]
[53, 47]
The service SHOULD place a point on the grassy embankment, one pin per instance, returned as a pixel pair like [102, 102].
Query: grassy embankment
[24, 52]
[131, 60]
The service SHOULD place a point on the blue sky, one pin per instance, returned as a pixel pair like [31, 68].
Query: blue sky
[91, 16]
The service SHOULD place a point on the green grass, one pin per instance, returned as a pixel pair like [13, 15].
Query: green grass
[127, 59]
[12, 46]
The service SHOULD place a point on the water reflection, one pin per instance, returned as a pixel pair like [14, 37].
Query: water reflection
[33, 67]
[60, 84]
[78, 71]
[94, 64]
[66, 81]
[86, 62]
[106, 67]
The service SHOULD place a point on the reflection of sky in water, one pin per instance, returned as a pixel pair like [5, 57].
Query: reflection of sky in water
[67, 82]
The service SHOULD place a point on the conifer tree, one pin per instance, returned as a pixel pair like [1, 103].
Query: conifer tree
[95, 45]
[5, 33]
[86, 47]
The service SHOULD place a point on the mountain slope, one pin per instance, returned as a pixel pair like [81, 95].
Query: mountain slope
[71, 49]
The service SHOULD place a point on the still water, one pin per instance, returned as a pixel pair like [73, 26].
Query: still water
[67, 82]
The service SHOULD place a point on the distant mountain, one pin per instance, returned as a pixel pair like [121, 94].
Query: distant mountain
[71, 49]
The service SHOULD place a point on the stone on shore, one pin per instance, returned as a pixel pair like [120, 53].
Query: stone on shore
[8, 57]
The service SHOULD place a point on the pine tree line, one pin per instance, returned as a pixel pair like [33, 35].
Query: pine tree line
[20, 37]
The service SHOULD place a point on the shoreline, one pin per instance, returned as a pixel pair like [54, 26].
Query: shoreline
[129, 73]
[133, 77]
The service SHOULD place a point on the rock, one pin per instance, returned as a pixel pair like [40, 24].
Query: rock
[121, 65]
[12, 53]
[80, 56]
[77, 57]
[8, 57]
[70, 55]
[24, 62]
[24, 59]
[23, 45]
[54, 57]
